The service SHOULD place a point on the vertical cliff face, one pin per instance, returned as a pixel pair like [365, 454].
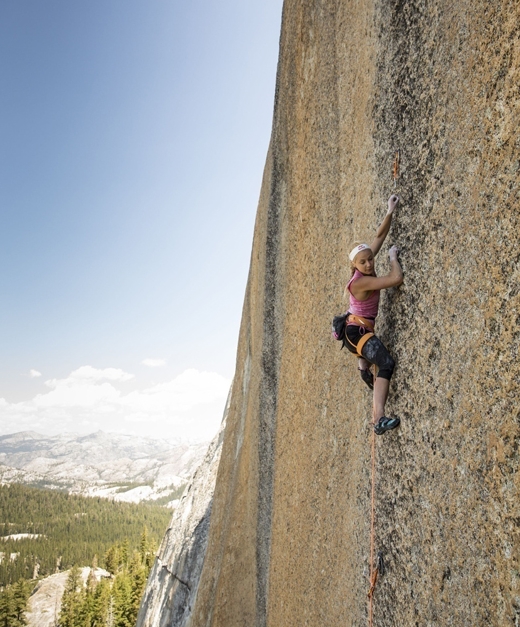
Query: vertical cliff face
[289, 535]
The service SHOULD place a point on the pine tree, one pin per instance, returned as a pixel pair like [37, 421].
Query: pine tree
[122, 593]
[6, 607]
[73, 599]
[13, 604]
[123, 554]
[21, 591]
[86, 611]
[146, 549]
[138, 575]
[143, 545]
[101, 604]
[150, 558]
[112, 560]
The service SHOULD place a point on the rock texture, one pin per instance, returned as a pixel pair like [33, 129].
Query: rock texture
[172, 586]
[289, 536]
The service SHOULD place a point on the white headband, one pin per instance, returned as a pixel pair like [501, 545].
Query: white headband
[357, 250]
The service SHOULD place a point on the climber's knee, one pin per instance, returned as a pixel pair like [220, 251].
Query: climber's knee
[376, 353]
[386, 370]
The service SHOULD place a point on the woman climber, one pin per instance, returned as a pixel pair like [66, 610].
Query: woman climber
[364, 288]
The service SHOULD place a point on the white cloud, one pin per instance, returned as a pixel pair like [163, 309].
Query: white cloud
[181, 394]
[189, 406]
[34, 373]
[76, 394]
[154, 363]
[87, 373]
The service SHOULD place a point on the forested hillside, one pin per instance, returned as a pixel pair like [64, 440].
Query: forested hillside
[111, 602]
[70, 530]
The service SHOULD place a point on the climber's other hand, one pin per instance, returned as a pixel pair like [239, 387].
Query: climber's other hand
[393, 252]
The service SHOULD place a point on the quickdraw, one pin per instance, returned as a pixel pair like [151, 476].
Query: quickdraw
[373, 582]
[378, 570]
[397, 163]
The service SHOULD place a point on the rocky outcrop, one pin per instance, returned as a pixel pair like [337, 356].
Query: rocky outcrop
[172, 586]
[45, 601]
[289, 536]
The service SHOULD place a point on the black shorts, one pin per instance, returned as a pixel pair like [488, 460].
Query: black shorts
[374, 351]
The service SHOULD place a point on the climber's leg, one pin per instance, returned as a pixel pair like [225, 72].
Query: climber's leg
[365, 372]
[353, 336]
[381, 387]
[363, 364]
[375, 352]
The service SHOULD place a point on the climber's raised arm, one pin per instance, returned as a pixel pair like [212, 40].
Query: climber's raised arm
[383, 229]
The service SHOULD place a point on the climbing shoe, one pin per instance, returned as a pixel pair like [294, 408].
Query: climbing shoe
[367, 377]
[385, 424]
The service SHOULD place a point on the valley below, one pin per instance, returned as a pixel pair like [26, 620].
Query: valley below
[85, 509]
[120, 467]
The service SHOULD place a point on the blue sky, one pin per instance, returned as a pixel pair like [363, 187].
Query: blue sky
[133, 138]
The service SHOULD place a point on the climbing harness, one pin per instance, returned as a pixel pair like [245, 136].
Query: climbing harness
[363, 340]
[397, 163]
[340, 323]
[363, 323]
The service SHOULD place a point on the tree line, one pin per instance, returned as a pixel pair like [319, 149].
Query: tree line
[112, 601]
[109, 602]
[72, 529]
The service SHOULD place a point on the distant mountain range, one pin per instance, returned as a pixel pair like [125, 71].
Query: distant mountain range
[122, 467]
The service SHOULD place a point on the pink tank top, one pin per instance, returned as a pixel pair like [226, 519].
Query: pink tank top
[365, 308]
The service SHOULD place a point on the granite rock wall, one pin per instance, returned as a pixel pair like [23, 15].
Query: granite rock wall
[289, 535]
[171, 588]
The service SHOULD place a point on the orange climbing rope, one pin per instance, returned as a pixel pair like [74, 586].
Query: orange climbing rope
[373, 569]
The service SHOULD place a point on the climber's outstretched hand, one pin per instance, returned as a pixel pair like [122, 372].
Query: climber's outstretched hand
[384, 227]
[393, 201]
